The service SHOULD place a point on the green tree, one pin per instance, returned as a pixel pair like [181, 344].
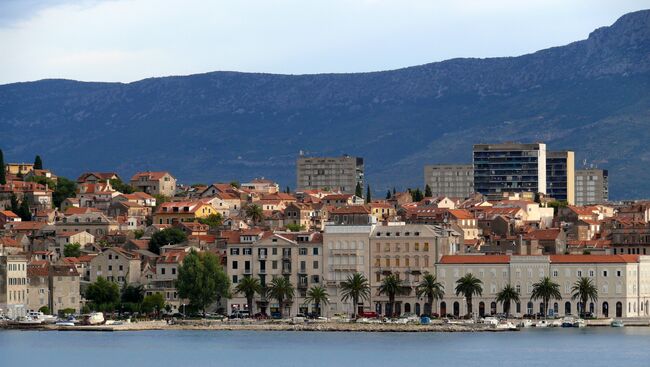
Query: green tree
[295, 227]
[138, 233]
[546, 290]
[287, 190]
[506, 296]
[358, 191]
[391, 286]
[388, 195]
[213, 220]
[153, 303]
[432, 289]
[235, 184]
[317, 295]
[132, 293]
[64, 189]
[249, 287]
[38, 162]
[282, 290]
[23, 211]
[3, 173]
[202, 280]
[355, 288]
[45, 310]
[416, 195]
[72, 249]
[468, 286]
[557, 204]
[103, 294]
[120, 186]
[368, 194]
[168, 236]
[255, 213]
[584, 290]
[427, 191]
[14, 204]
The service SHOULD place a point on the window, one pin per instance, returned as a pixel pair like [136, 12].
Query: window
[579, 273]
[235, 265]
[248, 251]
[555, 273]
[234, 279]
[121, 268]
[315, 265]
[274, 264]
[315, 251]
[173, 271]
[605, 273]
[591, 273]
[234, 251]
[274, 251]
[302, 251]
[162, 271]
[110, 268]
[618, 273]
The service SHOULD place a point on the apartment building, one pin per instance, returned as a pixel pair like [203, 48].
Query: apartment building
[298, 256]
[116, 265]
[592, 186]
[453, 180]
[509, 167]
[13, 285]
[560, 176]
[154, 183]
[622, 282]
[64, 285]
[334, 173]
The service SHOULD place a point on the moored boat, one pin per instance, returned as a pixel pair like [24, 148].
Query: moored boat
[542, 324]
[617, 323]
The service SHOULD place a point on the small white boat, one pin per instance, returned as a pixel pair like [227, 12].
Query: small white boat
[526, 324]
[617, 323]
[506, 325]
[542, 324]
[64, 323]
[46, 319]
[94, 318]
[492, 321]
[28, 320]
[580, 323]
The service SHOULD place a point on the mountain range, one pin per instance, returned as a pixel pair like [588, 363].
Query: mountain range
[591, 96]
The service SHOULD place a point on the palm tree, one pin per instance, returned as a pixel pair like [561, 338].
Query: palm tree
[507, 295]
[281, 289]
[546, 290]
[391, 286]
[432, 289]
[584, 290]
[248, 286]
[468, 286]
[355, 288]
[317, 295]
[255, 213]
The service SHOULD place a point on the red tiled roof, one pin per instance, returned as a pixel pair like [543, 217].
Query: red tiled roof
[150, 175]
[543, 234]
[351, 209]
[600, 259]
[9, 214]
[475, 259]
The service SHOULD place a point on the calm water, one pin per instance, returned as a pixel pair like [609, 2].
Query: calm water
[550, 347]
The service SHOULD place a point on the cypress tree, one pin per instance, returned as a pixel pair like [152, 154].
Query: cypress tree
[38, 162]
[427, 191]
[14, 203]
[358, 191]
[287, 190]
[3, 175]
[368, 196]
[23, 211]
[387, 194]
[394, 191]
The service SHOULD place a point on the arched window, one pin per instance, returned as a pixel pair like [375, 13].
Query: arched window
[481, 309]
[605, 309]
[407, 307]
[443, 309]
[456, 309]
[619, 309]
[567, 308]
[493, 308]
[417, 309]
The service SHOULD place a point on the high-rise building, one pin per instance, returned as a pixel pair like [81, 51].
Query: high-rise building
[509, 167]
[455, 180]
[334, 173]
[560, 176]
[592, 186]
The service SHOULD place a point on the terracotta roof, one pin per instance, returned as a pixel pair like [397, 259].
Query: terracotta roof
[172, 257]
[337, 197]
[543, 234]
[99, 175]
[150, 175]
[10, 242]
[9, 213]
[63, 270]
[86, 258]
[461, 213]
[141, 244]
[475, 259]
[26, 226]
[351, 209]
[600, 259]
[75, 210]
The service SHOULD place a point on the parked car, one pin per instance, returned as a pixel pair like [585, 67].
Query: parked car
[276, 315]
[239, 314]
[369, 314]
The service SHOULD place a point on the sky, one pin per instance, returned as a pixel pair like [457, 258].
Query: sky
[128, 40]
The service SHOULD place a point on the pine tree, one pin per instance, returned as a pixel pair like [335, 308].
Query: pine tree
[388, 195]
[287, 190]
[427, 191]
[3, 175]
[358, 191]
[38, 162]
[394, 192]
[23, 211]
[14, 204]
[368, 196]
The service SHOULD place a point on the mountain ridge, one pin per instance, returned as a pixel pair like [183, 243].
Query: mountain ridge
[222, 125]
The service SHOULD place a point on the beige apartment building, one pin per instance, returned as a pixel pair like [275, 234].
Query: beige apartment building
[64, 288]
[13, 285]
[454, 180]
[266, 255]
[164, 277]
[333, 173]
[116, 265]
[38, 287]
[408, 251]
[154, 183]
[622, 282]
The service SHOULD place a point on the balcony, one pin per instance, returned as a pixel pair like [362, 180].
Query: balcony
[286, 270]
[302, 271]
[303, 285]
[262, 256]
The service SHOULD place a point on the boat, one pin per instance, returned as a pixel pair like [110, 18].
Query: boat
[526, 324]
[556, 323]
[94, 318]
[46, 319]
[70, 321]
[580, 323]
[568, 321]
[492, 321]
[542, 324]
[506, 325]
[28, 321]
[617, 323]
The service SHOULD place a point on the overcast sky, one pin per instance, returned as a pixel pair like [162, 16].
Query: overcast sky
[127, 40]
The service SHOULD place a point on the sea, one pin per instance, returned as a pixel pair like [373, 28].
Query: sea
[629, 346]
